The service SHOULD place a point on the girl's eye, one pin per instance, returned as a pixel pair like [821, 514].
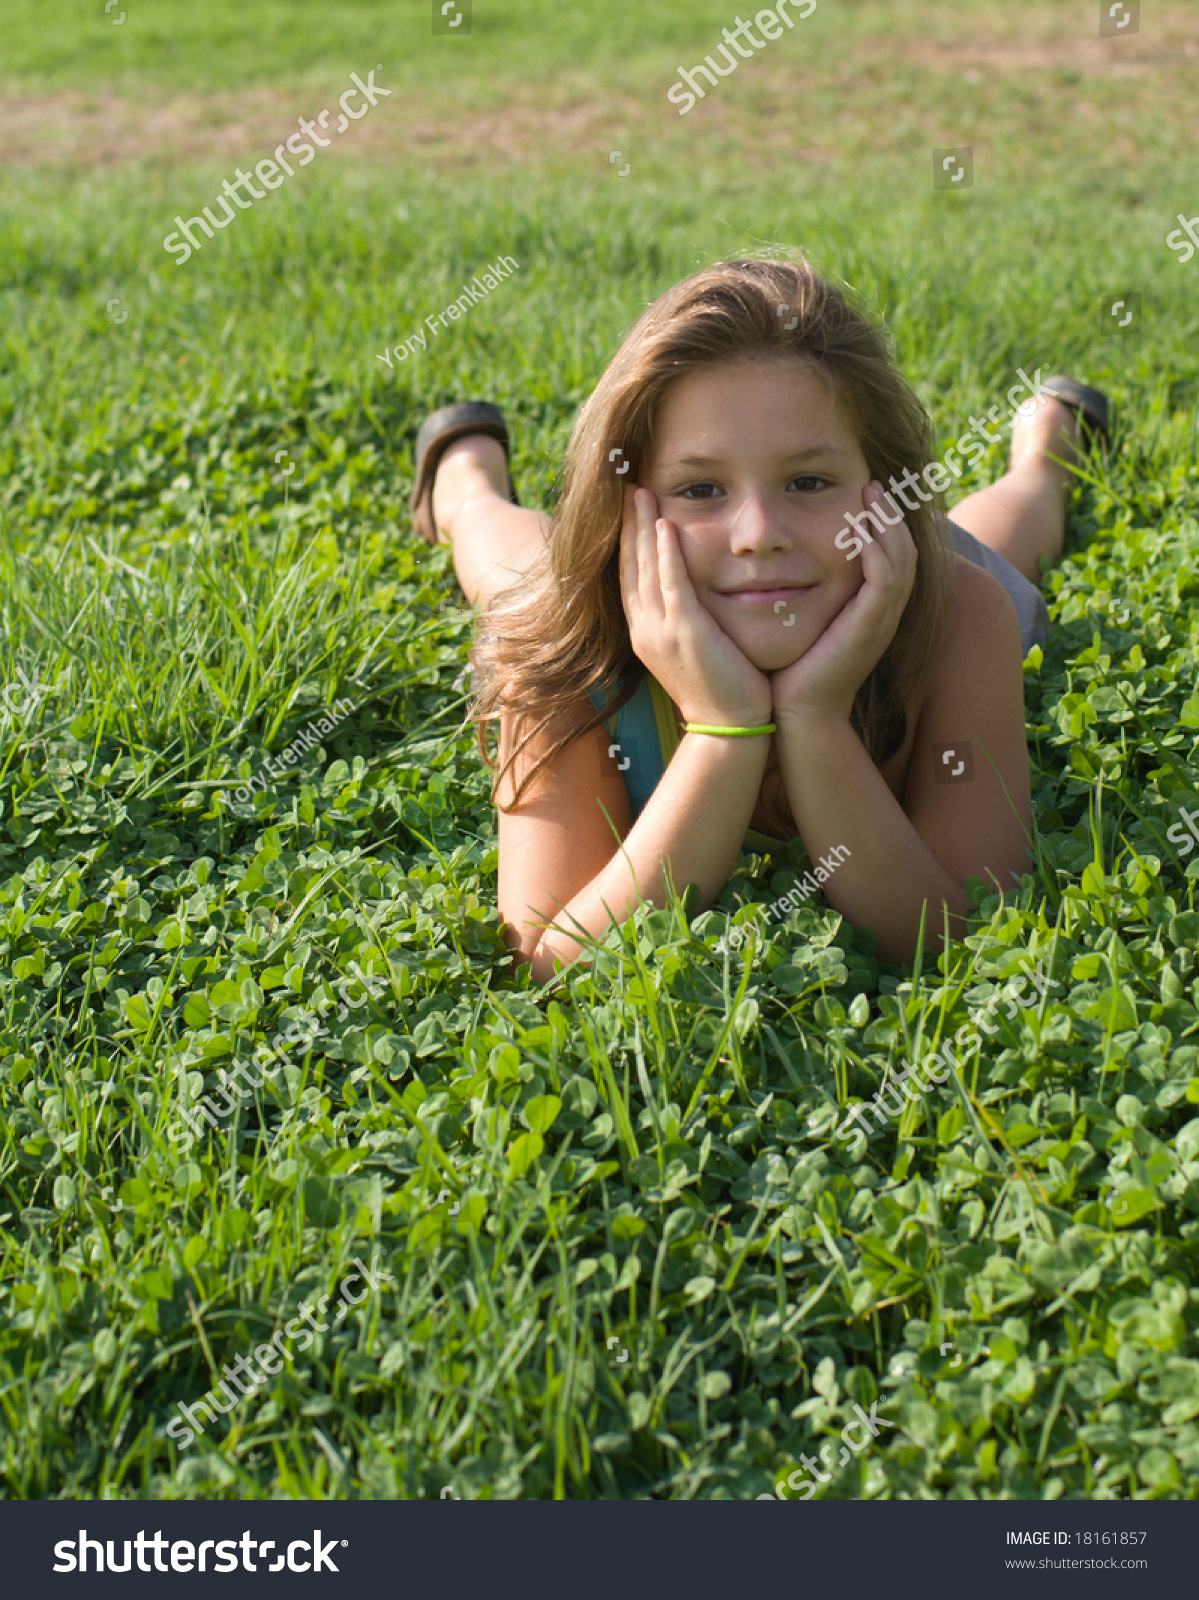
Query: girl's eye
[808, 482]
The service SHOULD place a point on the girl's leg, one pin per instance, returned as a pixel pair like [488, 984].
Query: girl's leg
[493, 540]
[1023, 516]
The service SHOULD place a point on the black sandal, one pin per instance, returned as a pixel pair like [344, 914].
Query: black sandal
[437, 431]
[1091, 404]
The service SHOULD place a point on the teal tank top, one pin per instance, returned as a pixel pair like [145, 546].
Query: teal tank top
[645, 736]
[637, 739]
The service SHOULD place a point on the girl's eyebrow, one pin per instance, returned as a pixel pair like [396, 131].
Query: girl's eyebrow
[823, 452]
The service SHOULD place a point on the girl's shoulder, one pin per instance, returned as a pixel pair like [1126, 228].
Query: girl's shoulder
[983, 622]
[980, 652]
[1026, 596]
[983, 634]
[547, 749]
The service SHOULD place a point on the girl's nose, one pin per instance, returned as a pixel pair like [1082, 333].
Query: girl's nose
[758, 524]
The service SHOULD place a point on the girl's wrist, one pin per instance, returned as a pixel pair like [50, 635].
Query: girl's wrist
[807, 719]
[739, 718]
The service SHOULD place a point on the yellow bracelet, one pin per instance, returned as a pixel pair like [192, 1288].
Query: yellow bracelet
[729, 733]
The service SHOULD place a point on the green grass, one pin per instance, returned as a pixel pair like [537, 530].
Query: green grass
[644, 1160]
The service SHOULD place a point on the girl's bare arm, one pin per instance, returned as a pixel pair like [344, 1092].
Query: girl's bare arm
[958, 818]
[560, 863]
[559, 860]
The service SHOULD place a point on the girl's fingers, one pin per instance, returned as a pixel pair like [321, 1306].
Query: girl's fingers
[888, 568]
[648, 580]
[640, 585]
[896, 532]
[673, 576]
[892, 540]
[886, 518]
[628, 546]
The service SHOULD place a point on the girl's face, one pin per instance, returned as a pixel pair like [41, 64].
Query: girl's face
[754, 466]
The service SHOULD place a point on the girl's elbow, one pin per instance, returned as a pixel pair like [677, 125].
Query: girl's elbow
[533, 950]
[546, 961]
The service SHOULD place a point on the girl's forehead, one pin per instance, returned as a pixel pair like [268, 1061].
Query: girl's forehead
[763, 384]
[775, 398]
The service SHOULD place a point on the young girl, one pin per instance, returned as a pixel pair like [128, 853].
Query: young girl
[692, 647]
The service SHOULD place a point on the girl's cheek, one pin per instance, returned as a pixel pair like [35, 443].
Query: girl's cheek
[696, 558]
[702, 542]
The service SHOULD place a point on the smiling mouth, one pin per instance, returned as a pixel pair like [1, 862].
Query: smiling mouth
[768, 596]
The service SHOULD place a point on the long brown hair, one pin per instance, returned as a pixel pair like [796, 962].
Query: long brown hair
[560, 629]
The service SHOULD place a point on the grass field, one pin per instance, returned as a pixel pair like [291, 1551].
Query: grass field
[623, 1254]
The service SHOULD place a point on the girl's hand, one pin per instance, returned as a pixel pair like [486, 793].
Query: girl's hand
[825, 680]
[681, 643]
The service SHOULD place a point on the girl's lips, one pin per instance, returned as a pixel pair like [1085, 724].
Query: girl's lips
[768, 597]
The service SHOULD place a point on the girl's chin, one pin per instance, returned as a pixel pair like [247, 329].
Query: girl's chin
[772, 655]
[773, 642]
[774, 663]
